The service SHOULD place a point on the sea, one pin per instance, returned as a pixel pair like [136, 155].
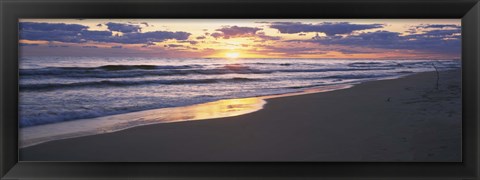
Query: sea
[60, 89]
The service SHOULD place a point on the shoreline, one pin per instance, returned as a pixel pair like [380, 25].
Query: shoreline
[100, 125]
[399, 120]
[35, 135]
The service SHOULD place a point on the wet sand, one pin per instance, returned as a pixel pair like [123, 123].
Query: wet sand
[404, 119]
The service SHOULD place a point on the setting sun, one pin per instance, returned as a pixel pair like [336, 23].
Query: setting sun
[232, 55]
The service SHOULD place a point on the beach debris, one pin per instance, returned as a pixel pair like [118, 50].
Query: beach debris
[438, 75]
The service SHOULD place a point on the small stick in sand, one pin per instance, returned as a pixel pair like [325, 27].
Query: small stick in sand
[438, 75]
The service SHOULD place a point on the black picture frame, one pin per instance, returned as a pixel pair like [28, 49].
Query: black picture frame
[12, 10]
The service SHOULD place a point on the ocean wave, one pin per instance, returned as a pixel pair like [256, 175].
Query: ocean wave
[357, 76]
[375, 64]
[50, 99]
[334, 69]
[143, 67]
[110, 83]
[108, 68]
[118, 71]
[123, 71]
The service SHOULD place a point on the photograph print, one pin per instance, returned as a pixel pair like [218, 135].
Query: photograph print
[240, 90]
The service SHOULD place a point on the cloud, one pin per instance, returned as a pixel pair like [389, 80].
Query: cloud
[27, 44]
[269, 38]
[289, 50]
[173, 45]
[355, 51]
[124, 28]
[440, 26]
[148, 45]
[216, 35]
[61, 36]
[420, 28]
[57, 46]
[438, 34]
[148, 37]
[235, 31]
[438, 41]
[227, 32]
[190, 42]
[73, 33]
[90, 47]
[264, 37]
[26, 26]
[93, 35]
[328, 28]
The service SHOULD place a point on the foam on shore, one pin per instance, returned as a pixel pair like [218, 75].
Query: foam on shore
[34, 135]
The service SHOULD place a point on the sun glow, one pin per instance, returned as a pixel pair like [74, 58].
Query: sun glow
[232, 55]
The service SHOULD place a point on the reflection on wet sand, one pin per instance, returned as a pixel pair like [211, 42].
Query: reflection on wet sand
[211, 110]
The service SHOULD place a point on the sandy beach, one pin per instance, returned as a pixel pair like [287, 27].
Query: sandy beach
[406, 119]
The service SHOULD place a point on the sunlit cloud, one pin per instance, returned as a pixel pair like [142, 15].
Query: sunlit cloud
[235, 31]
[378, 39]
[330, 29]
[124, 28]
[431, 41]
[75, 33]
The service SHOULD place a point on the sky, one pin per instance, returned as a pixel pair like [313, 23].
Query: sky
[243, 38]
